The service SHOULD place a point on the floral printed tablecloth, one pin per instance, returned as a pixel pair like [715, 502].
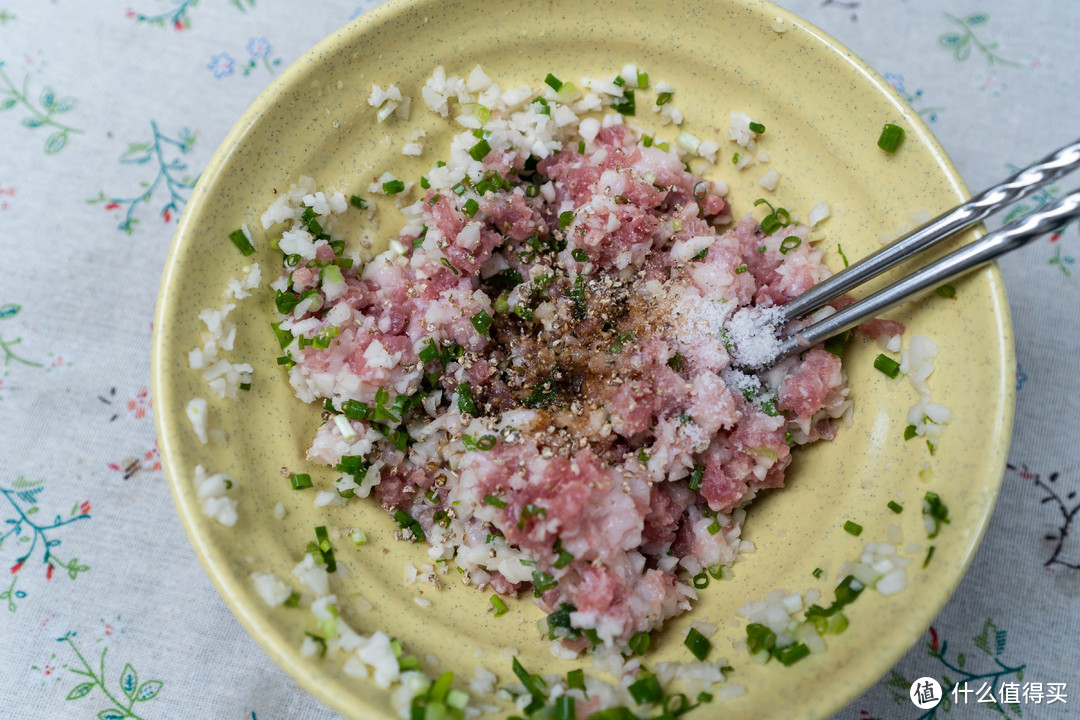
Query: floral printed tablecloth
[109, 111]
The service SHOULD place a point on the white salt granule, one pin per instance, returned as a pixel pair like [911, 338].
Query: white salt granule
[753, 333]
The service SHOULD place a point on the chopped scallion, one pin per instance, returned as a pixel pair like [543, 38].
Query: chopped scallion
[789, 243]
[470, 207]
[946, 291]
[698, 644]
[853, 528]
[393, 187]
[359, 202]
[482, 322]
[300, 481]
[240, 240]
[887, 365]
[757, 127]
[553, 82]
[896, 507]
[480, 150]
[890, 138]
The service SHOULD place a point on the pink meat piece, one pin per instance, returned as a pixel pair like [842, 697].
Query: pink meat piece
[662, 522]
[875, 328]
[511, 216]
[806, 390]
[632, 406]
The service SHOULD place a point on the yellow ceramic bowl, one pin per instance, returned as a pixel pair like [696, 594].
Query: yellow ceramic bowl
[823, 109]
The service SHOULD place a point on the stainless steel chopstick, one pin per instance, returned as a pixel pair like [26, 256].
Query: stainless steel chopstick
[988, 248]
[1019, 185]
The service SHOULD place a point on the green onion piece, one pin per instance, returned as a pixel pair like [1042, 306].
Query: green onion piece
[759, 638]
[566, 218]
[663, 98]
[701, 580]
[486, 443]
[321, 641]
[553, 82]
[789, 243]
[482, 113]
[695, 478]
[643, 456]
[534, 685]
[843, 257]
[639, 643]
[240, 240]
[698, 644]
[946, 291]
[575, 679]
[646, 689]
[642, 79]
[619, 81]
[757, 127]
[564, 558]
[542, 582]
[675, 362]
[359, 202]
[714, 527]
[440, 687]
[579, 255]
[564, 708]
[817, 572]
[887, 365]
[624, 105]
[890, 137]
[480, 150]
[457, 699]
[325, 548]
[646, 140]
[740, 270]
[896, 507]
[482, 322]
[929, 555]
[466, 404]
[853, 528]
[494, 500]
[835, 344]
[931, 447]
[428, 353]
[791, 654]
[581, 147]
[300, 481]
[393, 187]
[735, 161]
[530, 511]
[936, 509]
[333, 274]
[424, 183]
[665, 146]
[910, 431]
[532, 191]
[542, 106]
[470, 207]
[284, 336]
[292, 601]
[358, 537]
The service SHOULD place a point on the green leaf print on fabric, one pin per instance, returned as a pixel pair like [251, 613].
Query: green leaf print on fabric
[42, 114]
[961, 43]
[122, 706]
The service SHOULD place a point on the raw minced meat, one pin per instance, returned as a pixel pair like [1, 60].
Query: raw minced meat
[537, 381]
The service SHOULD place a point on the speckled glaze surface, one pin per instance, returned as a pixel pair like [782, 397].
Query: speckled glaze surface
[823, 109]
